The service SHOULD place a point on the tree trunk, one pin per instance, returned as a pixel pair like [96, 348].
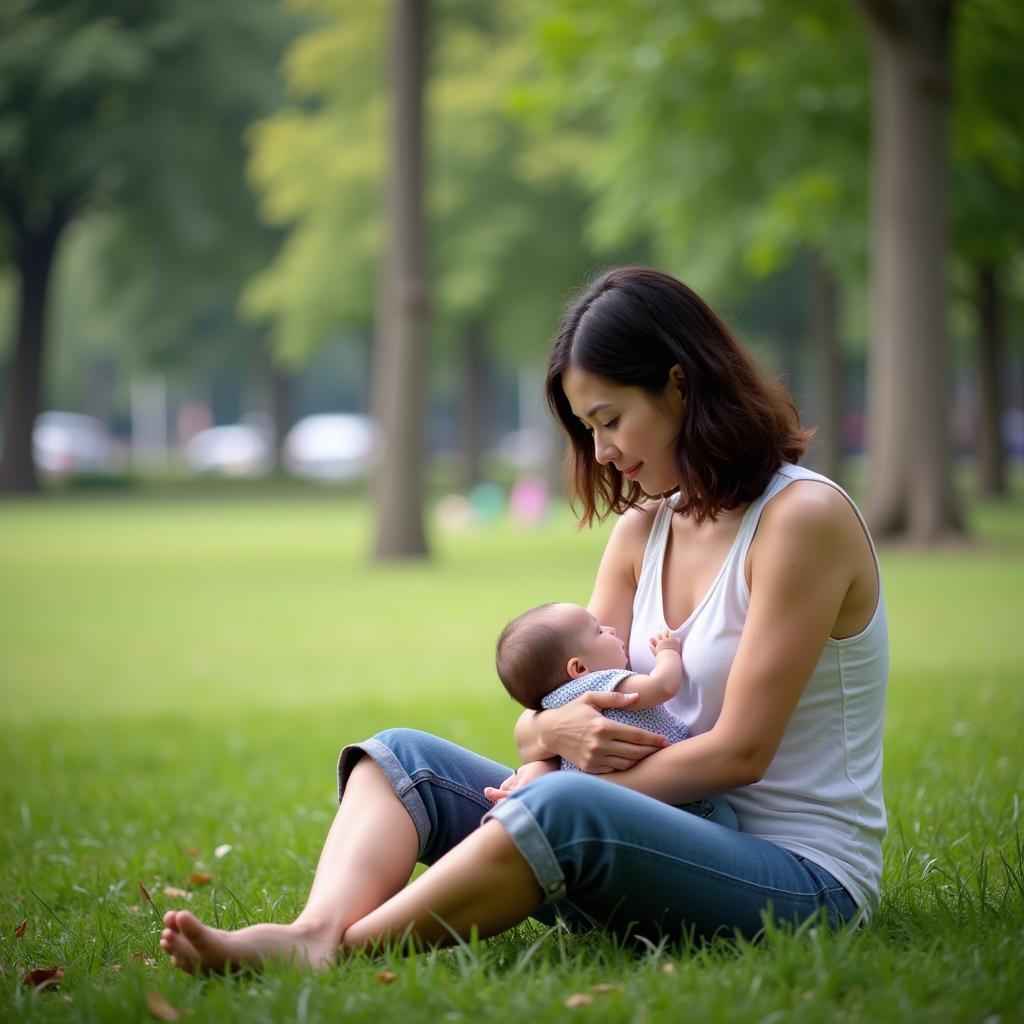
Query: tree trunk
[279, 389]
[35, 249]
[473, 404]
[828, 367]
[402, 310]
[910, 451]
[991, 448]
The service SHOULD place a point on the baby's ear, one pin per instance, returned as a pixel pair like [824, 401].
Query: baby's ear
[575, 668]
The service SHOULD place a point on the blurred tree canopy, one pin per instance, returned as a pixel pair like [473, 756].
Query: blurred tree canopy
[988, 200]
[504, 245]
[108, 105]
[734, 136]
[503, 239]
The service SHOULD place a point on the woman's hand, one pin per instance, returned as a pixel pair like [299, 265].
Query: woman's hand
[581, 734]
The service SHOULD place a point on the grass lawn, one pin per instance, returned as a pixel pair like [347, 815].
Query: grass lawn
[177, 676]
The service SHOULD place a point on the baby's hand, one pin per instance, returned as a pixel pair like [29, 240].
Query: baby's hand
[665, 641]
[527, 773]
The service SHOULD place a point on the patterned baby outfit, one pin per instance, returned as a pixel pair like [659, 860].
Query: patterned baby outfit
[657, 719]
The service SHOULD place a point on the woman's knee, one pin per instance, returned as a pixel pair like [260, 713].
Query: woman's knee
[413, 746]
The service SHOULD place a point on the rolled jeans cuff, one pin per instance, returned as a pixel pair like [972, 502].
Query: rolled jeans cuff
[531, 842]
[401, 783]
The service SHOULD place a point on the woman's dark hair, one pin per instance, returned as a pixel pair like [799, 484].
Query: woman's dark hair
[630, 327]
[531, 656]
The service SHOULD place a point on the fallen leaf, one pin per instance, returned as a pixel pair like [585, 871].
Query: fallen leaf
[115, 968]
[160, 1008]
[578, 999]
[192, 851]
[175, 893]
[68, 999]
[43, 977]
[668, 968]
[19, 932]
[144, 892]
[200, 878]
[386, 977]
[223, 850]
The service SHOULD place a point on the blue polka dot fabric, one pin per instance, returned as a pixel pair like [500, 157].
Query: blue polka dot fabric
[657, 719]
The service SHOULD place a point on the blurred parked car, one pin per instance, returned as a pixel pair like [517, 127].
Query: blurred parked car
[67, 443]
[238, 450]
[335, 446]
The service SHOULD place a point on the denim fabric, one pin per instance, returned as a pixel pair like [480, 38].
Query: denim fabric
[602, 854]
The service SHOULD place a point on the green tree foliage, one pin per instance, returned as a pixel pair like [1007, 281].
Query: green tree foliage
[130, 109]
[728, 134]
[988, 211]
[503, 226]
[731, 136]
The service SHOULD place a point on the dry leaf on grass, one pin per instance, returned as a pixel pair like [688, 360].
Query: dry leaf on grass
[223, 850]
[158, 1006]
[43, 977]
[19, 932]
[668, 968]
[175, 893]
[200, 878]
[578, 999]
[192, 851]
[386, 977]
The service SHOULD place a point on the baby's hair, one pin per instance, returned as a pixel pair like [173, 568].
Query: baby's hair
[532, 654]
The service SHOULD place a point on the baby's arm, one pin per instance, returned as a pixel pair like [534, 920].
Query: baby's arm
[665, 678]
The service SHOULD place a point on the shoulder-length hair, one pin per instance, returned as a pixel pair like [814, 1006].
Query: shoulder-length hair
[630, 327]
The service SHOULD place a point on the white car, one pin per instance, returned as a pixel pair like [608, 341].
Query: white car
[65, 443]
[332, 446]
[238, 450]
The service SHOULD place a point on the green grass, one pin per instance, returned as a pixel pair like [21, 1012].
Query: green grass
[179, 674]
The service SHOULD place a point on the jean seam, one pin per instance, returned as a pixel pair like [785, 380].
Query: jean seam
[426, 775]
[696, 867]
[533, 844]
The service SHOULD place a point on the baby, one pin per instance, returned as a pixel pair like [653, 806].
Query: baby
[552, 654]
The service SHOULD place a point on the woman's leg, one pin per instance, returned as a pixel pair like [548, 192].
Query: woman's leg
[407, 796]
[368, 856]
[484, 883]
[633, 865]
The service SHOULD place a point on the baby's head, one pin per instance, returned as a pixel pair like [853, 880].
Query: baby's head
[547, 645]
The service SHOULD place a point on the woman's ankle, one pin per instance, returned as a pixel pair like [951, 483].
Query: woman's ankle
[315, 925]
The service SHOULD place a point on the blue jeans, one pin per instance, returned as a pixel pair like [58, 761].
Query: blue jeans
[604, 855]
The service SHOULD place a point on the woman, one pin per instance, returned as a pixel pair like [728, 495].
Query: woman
[766, 573]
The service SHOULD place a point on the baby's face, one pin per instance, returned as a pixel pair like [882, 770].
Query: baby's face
[596, 646]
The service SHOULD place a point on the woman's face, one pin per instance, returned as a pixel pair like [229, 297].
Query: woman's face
[634, 431]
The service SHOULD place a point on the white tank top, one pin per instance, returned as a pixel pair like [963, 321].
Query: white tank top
[821, 796]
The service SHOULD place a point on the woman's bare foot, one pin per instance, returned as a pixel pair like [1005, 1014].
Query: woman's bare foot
[199, 949]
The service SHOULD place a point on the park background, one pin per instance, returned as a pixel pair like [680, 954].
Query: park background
[242, 215]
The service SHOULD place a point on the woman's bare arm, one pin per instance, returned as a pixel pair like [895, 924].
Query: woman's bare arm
[804, 564]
